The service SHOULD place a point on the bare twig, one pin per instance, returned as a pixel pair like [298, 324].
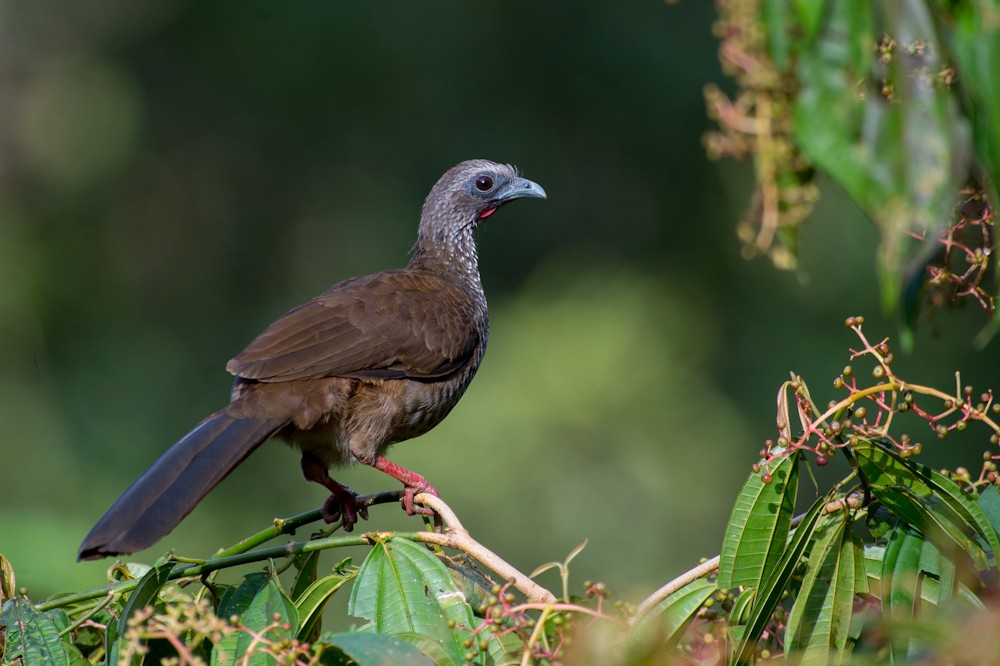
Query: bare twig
[650, 602]
[458, 538]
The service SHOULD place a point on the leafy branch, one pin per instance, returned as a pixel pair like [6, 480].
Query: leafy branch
[893, 541]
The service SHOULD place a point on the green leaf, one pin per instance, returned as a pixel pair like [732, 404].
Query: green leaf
[903, 584]
[820, 620]
[873, 563]
[927, 500]
[366, 648]
[434, 650]
[404, 588]
[307, 571]
[145, 592]
[740, 613]
[311, 603]
[989, 502]
[143, 595]
[237, 599]
[976, 47]
[31, 637]
[809, 13]
[665, 623]
[759, 524]
[776, 22]
[900, 572]
[961, 503]
[770, 591]
[258, 620]
[926, 148]
[940, 582]
[862, 590]
[829, 108]
[73, 655]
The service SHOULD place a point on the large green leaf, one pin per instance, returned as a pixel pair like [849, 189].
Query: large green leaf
[927, 500]
[771, 589]
[402, 588]
[31, 636]
[270, 615]
[759, 524]
[820, 620]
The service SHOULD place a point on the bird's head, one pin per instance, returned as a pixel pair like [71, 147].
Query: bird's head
[472, 191]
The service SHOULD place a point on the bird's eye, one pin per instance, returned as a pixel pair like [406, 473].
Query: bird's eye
[484, 183]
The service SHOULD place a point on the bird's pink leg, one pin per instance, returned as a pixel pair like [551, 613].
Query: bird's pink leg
[413, 483]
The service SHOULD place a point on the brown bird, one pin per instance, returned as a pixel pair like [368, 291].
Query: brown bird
[371, 361]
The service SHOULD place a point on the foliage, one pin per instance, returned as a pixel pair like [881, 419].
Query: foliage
[891, 548]
[895, 102]
[878, 556]
[890, 560]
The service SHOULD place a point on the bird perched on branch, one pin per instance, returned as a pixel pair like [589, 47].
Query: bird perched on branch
[372, 361]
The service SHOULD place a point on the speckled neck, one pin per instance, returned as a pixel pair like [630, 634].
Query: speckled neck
[445, 242]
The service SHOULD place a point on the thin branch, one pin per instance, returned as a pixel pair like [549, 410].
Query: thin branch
[455, 537]
[458, 538]
[289, 525]
[650, 602]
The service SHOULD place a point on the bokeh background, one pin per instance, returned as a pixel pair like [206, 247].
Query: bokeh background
[175, 174]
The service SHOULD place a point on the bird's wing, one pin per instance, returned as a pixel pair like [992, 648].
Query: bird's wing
[388, 325]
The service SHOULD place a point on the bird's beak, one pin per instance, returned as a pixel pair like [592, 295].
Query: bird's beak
[520, 188]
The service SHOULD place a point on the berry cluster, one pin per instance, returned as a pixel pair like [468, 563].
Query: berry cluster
[868, 412]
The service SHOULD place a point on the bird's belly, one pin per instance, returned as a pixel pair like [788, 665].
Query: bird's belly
[379, 413]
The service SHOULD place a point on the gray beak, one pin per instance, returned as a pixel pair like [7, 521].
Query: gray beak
[521, 188]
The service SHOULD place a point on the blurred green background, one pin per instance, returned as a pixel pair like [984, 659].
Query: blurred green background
[175, 175]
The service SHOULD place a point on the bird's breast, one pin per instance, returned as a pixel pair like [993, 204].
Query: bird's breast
[426, 403]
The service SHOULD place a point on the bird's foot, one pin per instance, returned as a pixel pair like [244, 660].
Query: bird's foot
[411, 507]
[343, 505]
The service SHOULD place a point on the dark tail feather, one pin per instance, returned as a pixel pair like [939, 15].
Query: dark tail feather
[170, 489]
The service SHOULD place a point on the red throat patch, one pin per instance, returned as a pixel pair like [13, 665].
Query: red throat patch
[486, 213]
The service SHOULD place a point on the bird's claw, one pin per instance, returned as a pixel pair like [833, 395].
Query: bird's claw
[344, 507]
[412, 508]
